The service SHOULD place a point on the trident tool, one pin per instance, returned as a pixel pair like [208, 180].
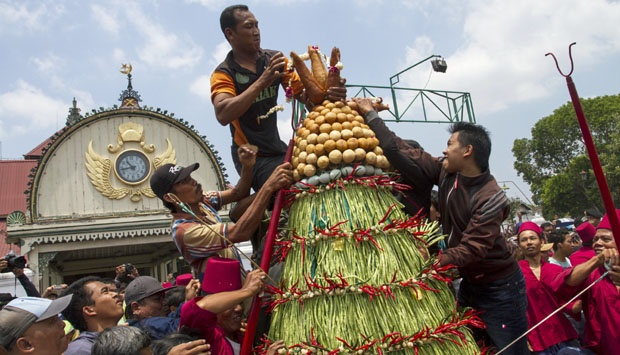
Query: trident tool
[592, 153]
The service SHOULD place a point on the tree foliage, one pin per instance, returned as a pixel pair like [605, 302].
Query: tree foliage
[556, 165]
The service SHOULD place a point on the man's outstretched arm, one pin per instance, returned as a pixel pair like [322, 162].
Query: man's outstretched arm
[251, 218]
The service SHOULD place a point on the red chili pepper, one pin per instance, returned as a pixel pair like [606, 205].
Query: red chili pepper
[343, 281]
[284, 247]
[369, 290]
[313, 338]
[387, 214]
[344, 342]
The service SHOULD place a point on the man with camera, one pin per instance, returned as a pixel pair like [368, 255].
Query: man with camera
[17, 264]
[125, 274]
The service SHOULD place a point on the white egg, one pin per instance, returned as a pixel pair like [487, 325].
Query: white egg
[313, 180]
[335, 174]
[324, 178]
[360, 170]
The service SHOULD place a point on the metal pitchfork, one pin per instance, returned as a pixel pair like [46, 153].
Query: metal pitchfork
[598, 172]
[592, 153]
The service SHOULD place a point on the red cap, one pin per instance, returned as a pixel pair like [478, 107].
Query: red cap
[183, 279]
[605, 222]
[586, 232]
[221, 275]
[530, 226]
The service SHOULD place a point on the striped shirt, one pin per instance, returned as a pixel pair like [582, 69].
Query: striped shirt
[199, 240]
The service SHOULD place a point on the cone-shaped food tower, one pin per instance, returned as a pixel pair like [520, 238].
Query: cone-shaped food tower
[356, 276]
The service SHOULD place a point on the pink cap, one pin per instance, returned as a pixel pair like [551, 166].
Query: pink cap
[221, 275]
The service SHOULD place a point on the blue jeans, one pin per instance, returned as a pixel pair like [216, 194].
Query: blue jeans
[503, 306]
[563, 348]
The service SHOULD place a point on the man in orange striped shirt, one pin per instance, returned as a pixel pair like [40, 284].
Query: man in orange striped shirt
[244, 88]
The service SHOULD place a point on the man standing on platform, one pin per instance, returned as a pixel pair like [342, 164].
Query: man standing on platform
[244, 89]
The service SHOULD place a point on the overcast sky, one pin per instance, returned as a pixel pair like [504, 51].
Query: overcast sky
[53, 51]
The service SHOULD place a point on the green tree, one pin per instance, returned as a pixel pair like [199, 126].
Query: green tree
[555, 164]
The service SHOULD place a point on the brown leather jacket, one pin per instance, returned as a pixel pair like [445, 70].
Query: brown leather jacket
[472, 209]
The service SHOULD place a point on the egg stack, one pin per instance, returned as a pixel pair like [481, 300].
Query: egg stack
[355, 277]
[333, 140]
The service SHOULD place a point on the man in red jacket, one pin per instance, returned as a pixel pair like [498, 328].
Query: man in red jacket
[557, 332]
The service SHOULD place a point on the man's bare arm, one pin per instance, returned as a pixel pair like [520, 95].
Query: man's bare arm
[251, 218]
[228, 107]
[247, 156]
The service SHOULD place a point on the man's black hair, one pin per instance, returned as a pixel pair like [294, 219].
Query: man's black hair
[435, 199]
[413, 143]
[558, 236]
[227, 18]
[5, 298]
[82, 297]
[162, 346]
[476, 136]
[175, 296]
[169, 205]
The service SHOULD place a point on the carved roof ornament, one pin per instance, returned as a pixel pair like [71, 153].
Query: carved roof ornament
[129, 98]
[74, 114]
[131, 132]
[130, 167]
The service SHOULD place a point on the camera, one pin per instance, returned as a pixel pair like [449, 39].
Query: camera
[14, 262]
[127, 277]
[129, 268]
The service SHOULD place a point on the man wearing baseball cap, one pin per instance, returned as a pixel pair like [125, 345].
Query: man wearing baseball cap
[593, 216]
[30, 325]
[145, 306]
[197, 229]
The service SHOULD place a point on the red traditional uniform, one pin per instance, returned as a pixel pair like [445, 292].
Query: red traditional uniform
[601, 305]
[541, 302]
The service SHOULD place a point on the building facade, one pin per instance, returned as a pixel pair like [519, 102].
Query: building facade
[89, 203]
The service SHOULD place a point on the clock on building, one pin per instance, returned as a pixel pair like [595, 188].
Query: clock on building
[132, 167]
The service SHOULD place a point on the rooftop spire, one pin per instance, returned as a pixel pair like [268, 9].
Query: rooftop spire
[74, 114]
[129, 98]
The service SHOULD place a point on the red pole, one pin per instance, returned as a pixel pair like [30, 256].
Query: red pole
[594, 160]
[272, 231]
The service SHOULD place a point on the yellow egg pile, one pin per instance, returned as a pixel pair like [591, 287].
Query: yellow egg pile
[334, 135]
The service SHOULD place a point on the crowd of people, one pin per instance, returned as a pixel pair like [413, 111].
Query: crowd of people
[513, 286]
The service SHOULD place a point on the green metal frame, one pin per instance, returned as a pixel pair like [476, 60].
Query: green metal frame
[436, 106]
[446, 106]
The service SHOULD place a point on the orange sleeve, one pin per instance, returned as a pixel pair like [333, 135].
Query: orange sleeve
[222, 83]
